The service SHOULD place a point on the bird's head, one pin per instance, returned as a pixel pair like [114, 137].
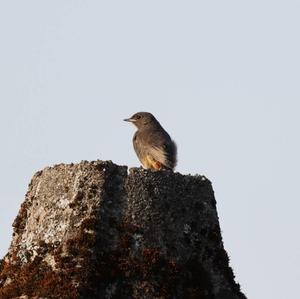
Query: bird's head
[142, 119]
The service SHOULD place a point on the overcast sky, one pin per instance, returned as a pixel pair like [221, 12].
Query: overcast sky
[223, 79]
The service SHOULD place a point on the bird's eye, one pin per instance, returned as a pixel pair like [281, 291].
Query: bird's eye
[138, 116]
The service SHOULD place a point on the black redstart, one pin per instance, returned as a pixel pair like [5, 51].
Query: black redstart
[152, 144]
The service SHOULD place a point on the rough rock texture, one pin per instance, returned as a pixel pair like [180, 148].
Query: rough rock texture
[90, 230]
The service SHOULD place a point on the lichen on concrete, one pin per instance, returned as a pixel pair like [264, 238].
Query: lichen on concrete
[91, 230]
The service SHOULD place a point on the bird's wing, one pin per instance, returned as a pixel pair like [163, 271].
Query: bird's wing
[158, 145]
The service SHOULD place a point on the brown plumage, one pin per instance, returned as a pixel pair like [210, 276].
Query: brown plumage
[152, 144]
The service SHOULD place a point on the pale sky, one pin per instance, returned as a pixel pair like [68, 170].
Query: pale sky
[222, 77]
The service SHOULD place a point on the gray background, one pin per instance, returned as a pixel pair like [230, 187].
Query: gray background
[221, 76]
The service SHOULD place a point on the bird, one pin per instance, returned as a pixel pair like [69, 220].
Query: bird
[152, 144]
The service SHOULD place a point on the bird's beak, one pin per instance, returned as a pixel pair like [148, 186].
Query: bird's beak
[129, 119]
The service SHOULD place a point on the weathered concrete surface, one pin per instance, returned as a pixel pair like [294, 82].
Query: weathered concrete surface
[90, 230]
